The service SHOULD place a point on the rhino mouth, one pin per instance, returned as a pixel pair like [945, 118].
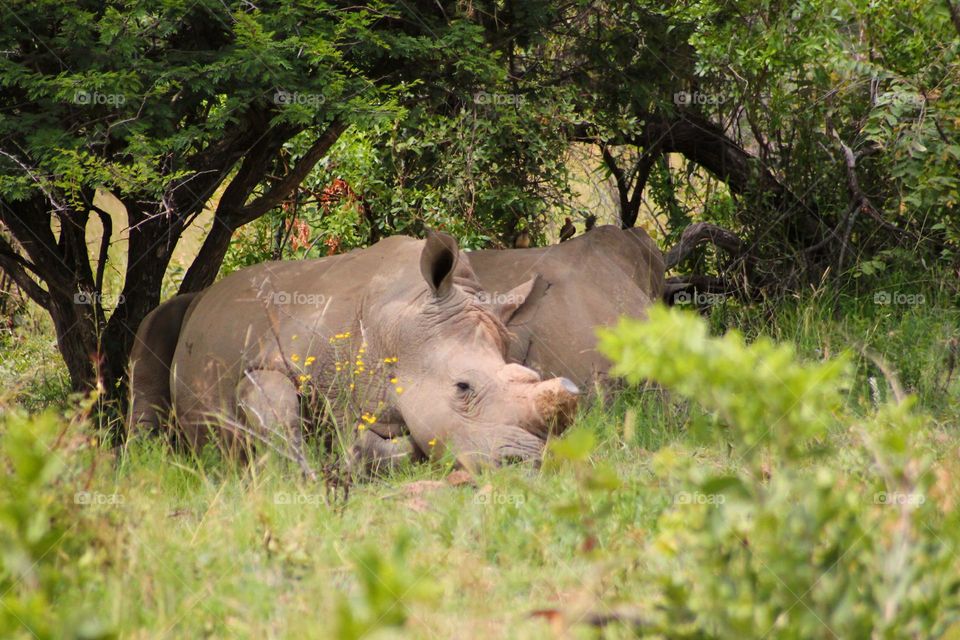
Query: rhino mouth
[522, 451]
[503, 445]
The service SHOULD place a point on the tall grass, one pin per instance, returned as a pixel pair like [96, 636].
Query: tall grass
[168, 543]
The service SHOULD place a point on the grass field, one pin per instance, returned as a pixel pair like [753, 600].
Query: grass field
[618, 528]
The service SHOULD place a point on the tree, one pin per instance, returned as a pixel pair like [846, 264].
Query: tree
[167, 105]
[829, 128]
[822, 133]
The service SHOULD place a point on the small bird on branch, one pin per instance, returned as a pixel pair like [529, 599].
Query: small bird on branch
[522, 241]
[567, 230]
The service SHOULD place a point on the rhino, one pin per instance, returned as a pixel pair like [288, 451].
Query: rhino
[586, 282]
[405, 320]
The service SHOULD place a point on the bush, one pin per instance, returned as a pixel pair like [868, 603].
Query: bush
[791, 546]
[43, 531]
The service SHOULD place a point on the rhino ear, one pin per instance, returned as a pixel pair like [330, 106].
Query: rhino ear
[438, 261]
[508, 303]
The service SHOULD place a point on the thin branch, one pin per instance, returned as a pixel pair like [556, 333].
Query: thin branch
[699, 233]
[16, 266]
[107, 223]
[281, 190]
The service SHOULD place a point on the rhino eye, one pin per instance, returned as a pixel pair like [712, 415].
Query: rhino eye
[463, 387]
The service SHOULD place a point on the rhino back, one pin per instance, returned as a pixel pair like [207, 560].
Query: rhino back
[149, 364]
[587, 282]
[271, 316]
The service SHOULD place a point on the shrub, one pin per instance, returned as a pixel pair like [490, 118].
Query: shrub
[793, 547]
[42, 531]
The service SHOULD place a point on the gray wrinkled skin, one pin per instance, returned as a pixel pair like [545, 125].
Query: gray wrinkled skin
[243, 344]
[584, 283]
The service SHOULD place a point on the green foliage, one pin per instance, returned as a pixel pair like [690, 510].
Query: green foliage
[388, 586]
[915, 334]
[796, 547]
[40, 528]
[147, 85]
[481, 171]
[760, 393]
[32, 370]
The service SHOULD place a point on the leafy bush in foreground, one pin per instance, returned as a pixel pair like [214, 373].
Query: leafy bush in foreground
[42, 536]
[792, 547]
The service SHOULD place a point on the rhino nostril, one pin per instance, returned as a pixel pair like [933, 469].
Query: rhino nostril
[569, 386]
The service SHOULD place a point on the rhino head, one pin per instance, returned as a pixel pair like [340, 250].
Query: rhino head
[459, 393]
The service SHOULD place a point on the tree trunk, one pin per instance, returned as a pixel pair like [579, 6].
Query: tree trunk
[76, 329]
[205, 266]
[151, 244]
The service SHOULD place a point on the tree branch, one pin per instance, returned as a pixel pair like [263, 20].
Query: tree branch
[32, 232]
[699, 233]
[706, 144]
[232, 214]
[16, 267]
[107, 223]
[282, 189]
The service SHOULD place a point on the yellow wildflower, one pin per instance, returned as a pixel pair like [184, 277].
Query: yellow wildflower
[294, 358]
[399, 390]
[361, 427]
[394, 380]
[305, 378]
[294, 337]
[433, 442]
[310, 360]
[369, 417]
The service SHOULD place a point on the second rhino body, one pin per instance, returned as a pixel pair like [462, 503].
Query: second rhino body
[584, 283]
